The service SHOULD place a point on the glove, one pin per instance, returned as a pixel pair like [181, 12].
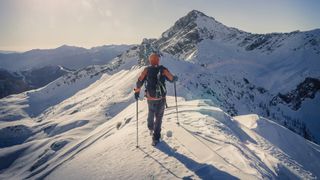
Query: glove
[136, 95]
[175, 78]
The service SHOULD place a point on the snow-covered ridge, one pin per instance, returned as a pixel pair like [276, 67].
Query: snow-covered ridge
[208, 144]
[98, 121]
[201, 148]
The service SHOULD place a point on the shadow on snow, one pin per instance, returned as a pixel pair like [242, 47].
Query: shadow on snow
[202, 170]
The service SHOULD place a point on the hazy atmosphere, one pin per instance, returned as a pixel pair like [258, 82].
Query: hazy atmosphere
[28, 24]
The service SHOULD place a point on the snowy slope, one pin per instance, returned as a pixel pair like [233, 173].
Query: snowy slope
[208, 145]
[31, 142]
[92, 133]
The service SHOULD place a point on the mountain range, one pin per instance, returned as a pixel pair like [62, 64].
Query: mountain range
[33, 69]
[247, 107]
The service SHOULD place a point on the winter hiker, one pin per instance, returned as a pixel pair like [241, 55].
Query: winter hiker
[154, 76]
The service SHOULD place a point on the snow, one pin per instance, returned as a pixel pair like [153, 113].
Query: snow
[278, 136]
[92, 135]
[312, 116]
[197, 149]
[250, 121]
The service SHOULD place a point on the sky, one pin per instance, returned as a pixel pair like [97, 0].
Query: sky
[31, 24]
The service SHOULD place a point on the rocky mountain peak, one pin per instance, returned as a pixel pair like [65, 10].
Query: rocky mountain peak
[194, 14]
[189, 22]
[182, 38]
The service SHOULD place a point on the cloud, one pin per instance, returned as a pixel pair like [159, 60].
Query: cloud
[97, 8]
[105, 12]
[87, 4]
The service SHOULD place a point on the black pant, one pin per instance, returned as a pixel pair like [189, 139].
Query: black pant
[156, 110]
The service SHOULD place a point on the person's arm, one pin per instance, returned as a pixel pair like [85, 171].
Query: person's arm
[141, 80]
[169, 76]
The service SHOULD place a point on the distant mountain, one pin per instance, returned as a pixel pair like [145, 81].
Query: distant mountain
[36, 68]
[14, 83]
[67, 56]
[11, 84]
[7, 52]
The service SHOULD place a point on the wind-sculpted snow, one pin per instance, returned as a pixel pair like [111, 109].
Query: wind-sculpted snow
[64, 123]
[208, 144]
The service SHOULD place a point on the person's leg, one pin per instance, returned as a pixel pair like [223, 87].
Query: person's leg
[151, 114]
[159, 114]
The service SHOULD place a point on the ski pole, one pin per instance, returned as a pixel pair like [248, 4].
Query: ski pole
[137, 122]
[166, 102]
[175, 94]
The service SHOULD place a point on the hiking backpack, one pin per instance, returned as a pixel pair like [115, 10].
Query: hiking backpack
[155, 82]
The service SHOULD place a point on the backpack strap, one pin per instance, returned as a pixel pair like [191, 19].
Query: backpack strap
[162, 87]
[161, 68]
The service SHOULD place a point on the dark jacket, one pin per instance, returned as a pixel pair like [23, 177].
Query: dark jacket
[153, 70]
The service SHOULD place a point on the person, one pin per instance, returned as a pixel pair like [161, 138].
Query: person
[154, 76]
